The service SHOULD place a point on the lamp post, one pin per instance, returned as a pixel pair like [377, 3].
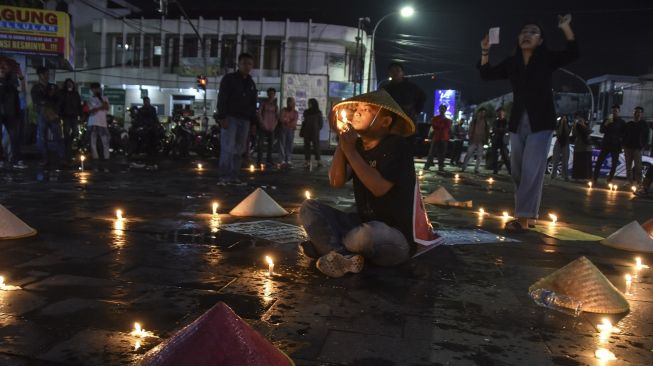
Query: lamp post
[405, 12]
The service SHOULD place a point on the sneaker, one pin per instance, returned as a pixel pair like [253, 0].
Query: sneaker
[308, 249]
[337, 265]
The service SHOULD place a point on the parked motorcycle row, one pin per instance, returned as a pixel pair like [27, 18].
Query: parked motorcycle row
[178, 137]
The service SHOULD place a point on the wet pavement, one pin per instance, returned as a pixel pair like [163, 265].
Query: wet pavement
[86, 279]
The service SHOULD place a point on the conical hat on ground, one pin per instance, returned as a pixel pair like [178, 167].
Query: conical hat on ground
[582, 281]
[11, 227]
[258, 204]
[217, 337]
[648, 227]
[442, 197]
[631, 237]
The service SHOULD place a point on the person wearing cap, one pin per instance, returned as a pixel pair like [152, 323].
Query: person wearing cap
[372, 151]
[634, 140]
[613, 132]
[46, 102]
[532, 119]
[439, 139]
[499, 145]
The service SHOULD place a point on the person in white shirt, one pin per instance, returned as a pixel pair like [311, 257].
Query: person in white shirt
[97, 122]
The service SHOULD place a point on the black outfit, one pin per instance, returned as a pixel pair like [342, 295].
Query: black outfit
[310, 131]
[393, 159]
[499, 145]
[582, 167]
[10, 113]
[70, 109]
[408, 95]
[635, 135]
[531, 84]
[149, 120]
[612, 142]
[237, 97]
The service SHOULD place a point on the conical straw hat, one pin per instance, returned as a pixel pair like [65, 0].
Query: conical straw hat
[631, 237]
[403, 126]
[442, 197]
[258, 204]
[11, 227]
[582, 281]
[217, 337]
[648, 227]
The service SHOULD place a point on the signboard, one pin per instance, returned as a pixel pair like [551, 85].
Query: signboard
[303, 87]
[36, 32]
[448, 98]
[193, 66]
[116, 96]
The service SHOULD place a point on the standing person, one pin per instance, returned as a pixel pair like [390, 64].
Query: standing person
[268, 117]
[478, 134]
[147, 117]
[561, 148]
[499, 144]
[373, 152]
[613, 132]
[459, 136]
[9, 111]
[288, 120]
[70, 109]
[45, 100]
[310, 131]
[532, 120]
[634, 140]
[582, 168]
[407, 94]
[236, 110]
[439, 138]
[97, 124]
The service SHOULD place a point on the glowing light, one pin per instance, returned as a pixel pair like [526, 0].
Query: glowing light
[604, 355]
[457, 176]
[119, 215]
[270, 263]
[481, 212]
[307, 194]
[262, 167]
[5, 287]
[200, 166]
[215, 206]
[505, 215]
[490, 180]
[639, 265]
[407, 11]
[138, 331]
[81, 159]
[553, 218]
[633, 188]
[251, 168]
[589, 184]
[421, 173]
[629, 282]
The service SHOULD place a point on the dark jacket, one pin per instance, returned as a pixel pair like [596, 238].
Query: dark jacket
[531, 84]
[499, 131]
[562, 133]
[45, 100]
[146, 116]
[613, 134]
[312, 124]
[582, 134]
[70, 102]
[408, 95]
[237, 97]
[9, 97]
[635, 135]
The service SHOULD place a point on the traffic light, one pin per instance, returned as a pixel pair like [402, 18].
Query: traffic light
[201, 82]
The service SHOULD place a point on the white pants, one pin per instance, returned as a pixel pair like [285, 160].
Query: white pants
[471, 150]
[103, 134]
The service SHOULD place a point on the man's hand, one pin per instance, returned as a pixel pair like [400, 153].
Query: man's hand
[485, 43]
[347, 139]
[564, 21]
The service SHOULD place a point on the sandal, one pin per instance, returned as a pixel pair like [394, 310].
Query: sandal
[514, 227]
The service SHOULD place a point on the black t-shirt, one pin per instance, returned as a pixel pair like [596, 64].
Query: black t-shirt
[392, 158]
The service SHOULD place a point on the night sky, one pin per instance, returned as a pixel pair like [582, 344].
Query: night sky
[615, 37]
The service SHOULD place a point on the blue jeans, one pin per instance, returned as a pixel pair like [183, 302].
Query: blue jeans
[233, 142]
[42, 128]
[286, 137]
[528, 159]
[330, 229]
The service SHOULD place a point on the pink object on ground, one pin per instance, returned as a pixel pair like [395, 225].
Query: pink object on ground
[220, 338]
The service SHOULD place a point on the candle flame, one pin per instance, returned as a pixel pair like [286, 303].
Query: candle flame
[506, 215]
[199, 166]
[629, 278]
[269, 260]
[421, 172]
[490, 180]
[633, 188]
[639, 265]
[589, 184]
[119, 214]
[138, 330]
[251, 168]
[137, 327]
[215, 207]
[481, 211]
[343, 115]
[307, 194]
[2, 281]
[553, 218]
[604, 355]
[456, 176]
[82, 158]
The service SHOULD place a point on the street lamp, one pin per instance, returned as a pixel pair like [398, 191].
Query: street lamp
[405, 12]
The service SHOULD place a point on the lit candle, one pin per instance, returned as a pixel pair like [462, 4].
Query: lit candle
[421, 173]
[119, 214]
[604, 355]
[457, 176]
[199, 166]
[490, 180]
[610, 186]
[262, 167]
[633, 188]
[81, 159]
[589, 184]
[2, 282]
[215, 208]
[343, 117]
[251, 168]
[629, 282]
[5, 287]
[506, 215]
[638, 264]
[553, 218]
[138, 330]
[270, 265]
[307, 194]
[481, 212]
